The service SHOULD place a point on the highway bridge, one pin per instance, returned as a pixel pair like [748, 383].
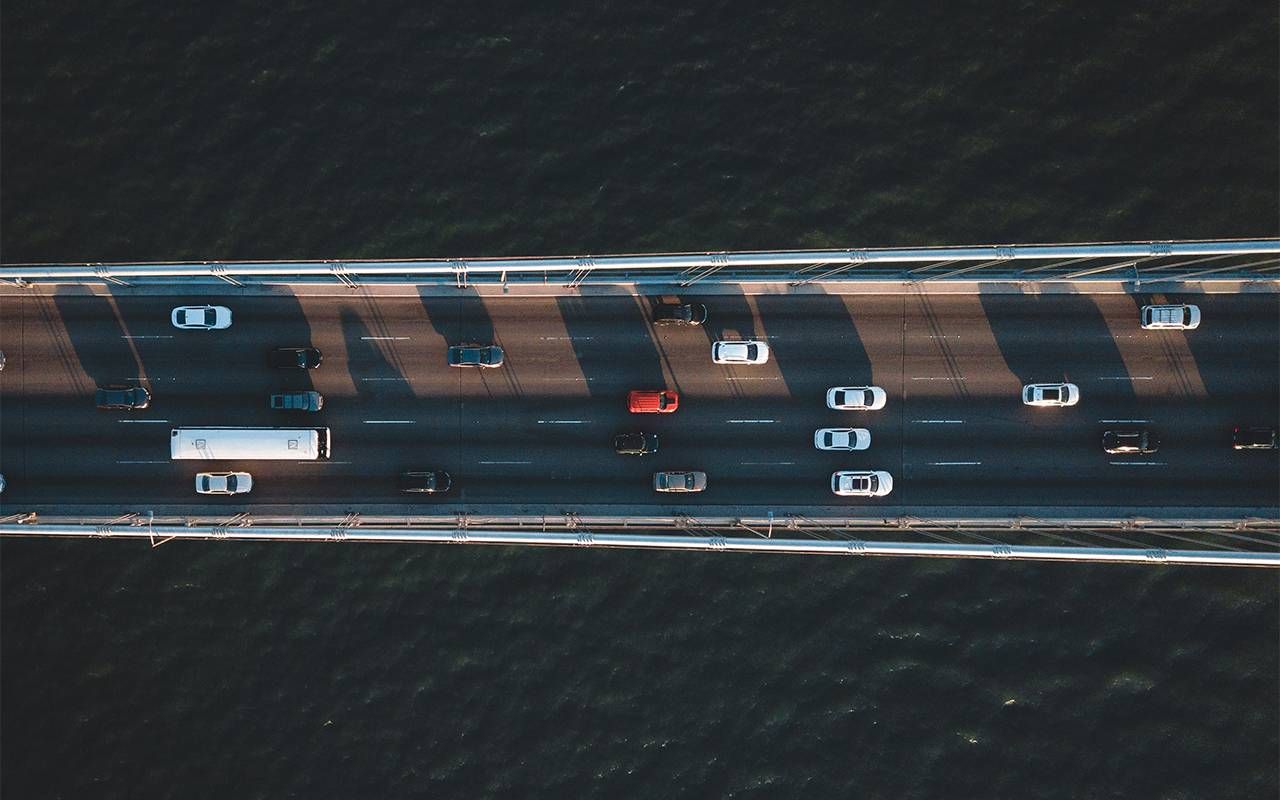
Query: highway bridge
[534, 437]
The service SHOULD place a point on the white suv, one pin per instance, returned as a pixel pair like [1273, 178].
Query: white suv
[876, 483]
[1179, 318]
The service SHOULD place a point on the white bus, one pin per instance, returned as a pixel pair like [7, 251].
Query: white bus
[243, 444]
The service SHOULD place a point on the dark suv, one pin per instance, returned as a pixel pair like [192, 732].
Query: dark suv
[1253, 439]
[688, 314]
[122, 398]
[294, 358]
[435, 481]
[1131, 440]
[474, 355]
[635, 444]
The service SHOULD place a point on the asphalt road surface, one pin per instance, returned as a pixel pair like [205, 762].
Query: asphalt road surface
[538, 430]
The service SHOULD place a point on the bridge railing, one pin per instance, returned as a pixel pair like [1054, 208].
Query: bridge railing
[1132, 262]
[1243, 542]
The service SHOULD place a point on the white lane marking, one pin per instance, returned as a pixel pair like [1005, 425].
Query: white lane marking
[940, 421]
[142, 421]
[128, 336]
[384, 338]
[734, 378]
[944, 336]
[506, 462]
[954, 463]
[142, 462]
[1140, 463]
[569, 380]
[750, 421]
[1124, 420]
[566, 338]
[767, 463]
[383, 379]
[945, 378]
[1126, 378]
[561, 421]
[389, 422]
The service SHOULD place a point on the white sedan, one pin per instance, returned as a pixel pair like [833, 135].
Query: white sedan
[1050, 394]
[856, 398]
[749, 351]
[876, 483]
[201, 318]
[223, 482]
[842, 438]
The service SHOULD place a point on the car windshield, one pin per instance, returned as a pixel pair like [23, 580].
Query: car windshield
[688, 480]
[204, 483]
[231, 483]
[1051, 394]
[872, 483]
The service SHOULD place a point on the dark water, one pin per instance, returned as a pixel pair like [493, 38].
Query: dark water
[160, 130]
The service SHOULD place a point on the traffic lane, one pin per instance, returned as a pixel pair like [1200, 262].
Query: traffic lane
[931, 375]
[1001, 453]
[583, 470]
[960, 486]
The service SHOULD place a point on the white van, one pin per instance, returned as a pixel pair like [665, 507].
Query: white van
[1182, 317]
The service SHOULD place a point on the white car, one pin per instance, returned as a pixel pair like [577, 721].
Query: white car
[1050, 394]
[856, 398]
[749, 351]
[223, 482]
[1180, 318]
[201, 318]
[842, 438]
[876, 483]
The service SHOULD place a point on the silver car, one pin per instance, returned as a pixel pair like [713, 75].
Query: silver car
[740, 352]
[842, 438]
[201, 318]
[856, 398]
[223, 482]
[1050, 394]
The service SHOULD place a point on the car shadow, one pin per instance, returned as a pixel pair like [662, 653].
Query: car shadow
[1077, 336]
[809, 339]
[595, 325]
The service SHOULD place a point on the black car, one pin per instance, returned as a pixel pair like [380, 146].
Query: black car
[687, 314]
[297, 401]
[433, 482]
[1253, 439]
[635, 444]
[121, 397]
[1130, 440]
[294, 358]
[474, 355]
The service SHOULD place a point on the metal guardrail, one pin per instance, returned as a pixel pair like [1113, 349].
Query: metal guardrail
[835, 537]
[1137, 262]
